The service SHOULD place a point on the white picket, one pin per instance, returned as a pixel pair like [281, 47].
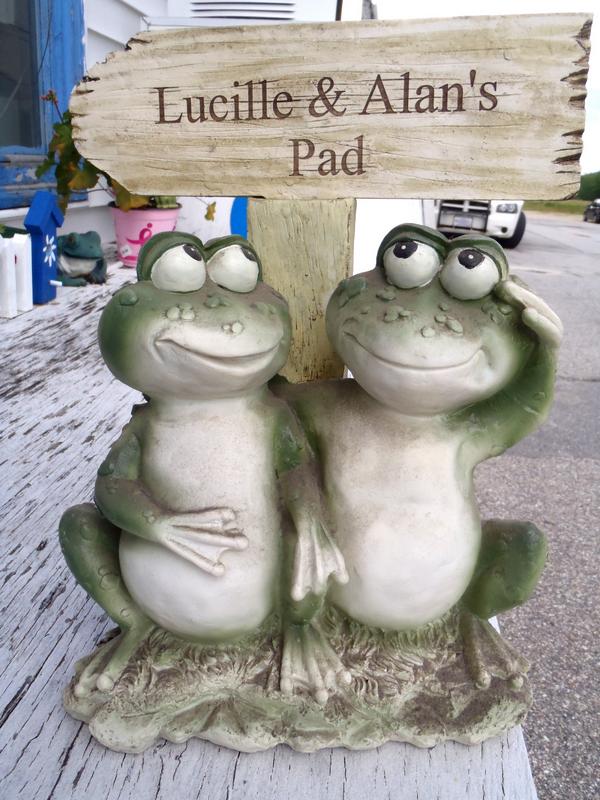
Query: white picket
[22, 242]
[8, 279]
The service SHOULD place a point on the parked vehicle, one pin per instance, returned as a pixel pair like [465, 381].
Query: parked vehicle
[592, 212]
[502, 219]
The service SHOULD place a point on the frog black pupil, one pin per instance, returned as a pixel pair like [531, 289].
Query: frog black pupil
[192, 251]
[405, 249]
[470, 258]
[249, 254]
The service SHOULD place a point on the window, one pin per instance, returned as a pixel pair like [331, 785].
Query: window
[41, 48]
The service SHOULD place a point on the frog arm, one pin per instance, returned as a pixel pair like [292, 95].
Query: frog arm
[119, 493]
[199, 536]
[316, 558]
[521, 407]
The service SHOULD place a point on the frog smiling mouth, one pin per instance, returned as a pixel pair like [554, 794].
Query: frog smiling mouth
[167, 346]
[467, 362]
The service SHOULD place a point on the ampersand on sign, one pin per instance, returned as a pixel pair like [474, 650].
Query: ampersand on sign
[324, 86]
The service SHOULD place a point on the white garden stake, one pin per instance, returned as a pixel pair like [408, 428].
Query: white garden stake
[22, 246]
[8, 279]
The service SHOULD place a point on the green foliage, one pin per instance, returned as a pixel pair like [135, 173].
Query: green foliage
[590, 186]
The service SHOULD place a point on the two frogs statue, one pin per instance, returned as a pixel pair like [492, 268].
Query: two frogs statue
[306, 563]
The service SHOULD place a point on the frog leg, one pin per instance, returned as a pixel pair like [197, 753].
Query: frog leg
[98, 274]
[90, 544]
[510, 563]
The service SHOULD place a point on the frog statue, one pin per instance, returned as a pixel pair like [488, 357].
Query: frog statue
[453, 361]
[306, 563]
[81, 259]
[185, 547]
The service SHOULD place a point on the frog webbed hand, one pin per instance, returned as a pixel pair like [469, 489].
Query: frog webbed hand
[535, 313]
[201, 537]
[317, 559]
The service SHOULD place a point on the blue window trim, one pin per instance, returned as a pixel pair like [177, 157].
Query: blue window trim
[59, 35]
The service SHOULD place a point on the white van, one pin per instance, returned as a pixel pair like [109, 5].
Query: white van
[502, 219]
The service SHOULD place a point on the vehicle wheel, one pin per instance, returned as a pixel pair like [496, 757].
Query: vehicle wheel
[514, 240]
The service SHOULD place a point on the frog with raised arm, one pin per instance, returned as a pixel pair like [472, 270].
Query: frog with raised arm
[453, 361]
[193, 498]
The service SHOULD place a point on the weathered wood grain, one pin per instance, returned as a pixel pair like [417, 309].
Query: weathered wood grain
[306, 250]
[515, 132]
[60, 409]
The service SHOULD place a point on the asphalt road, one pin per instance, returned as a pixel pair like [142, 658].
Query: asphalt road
[553, 479]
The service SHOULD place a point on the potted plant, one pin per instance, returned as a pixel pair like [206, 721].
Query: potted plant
[136, 217]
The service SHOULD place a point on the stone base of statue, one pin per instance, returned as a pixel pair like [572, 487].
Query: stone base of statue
[413, 687]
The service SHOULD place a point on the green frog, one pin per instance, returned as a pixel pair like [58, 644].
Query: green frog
[191, 501]
[453, 361]
[80, 259]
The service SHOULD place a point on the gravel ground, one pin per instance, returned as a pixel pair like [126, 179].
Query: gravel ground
[553, 479]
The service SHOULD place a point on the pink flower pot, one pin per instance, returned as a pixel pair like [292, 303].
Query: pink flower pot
[134, 228]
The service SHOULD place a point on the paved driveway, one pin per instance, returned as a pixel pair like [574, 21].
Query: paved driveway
[553, 478]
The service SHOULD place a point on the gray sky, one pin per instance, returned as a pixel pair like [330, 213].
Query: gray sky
[400, 9]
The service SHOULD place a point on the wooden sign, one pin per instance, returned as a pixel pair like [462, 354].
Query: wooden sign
[480, 107]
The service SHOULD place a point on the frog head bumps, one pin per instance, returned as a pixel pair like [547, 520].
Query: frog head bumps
[429, 330]
[198, 323]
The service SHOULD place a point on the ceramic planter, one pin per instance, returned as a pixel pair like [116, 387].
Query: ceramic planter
[133, 229]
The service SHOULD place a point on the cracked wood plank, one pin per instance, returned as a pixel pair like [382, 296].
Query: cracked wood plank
[60, 411]
[490, 106]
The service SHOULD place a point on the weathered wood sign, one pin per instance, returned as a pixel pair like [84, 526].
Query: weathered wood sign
[492, 106]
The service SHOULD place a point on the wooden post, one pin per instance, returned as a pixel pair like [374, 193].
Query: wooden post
[306, 250]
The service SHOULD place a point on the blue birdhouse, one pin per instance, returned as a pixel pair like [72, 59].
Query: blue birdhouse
[42, 220]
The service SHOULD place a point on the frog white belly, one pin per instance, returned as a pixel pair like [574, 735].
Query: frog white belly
[188, 467]
[409, 532]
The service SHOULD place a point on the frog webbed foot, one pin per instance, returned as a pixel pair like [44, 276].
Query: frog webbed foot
[310, 664]
[487, 654]
[108, 663]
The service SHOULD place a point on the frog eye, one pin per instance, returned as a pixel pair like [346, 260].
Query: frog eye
[469, 274]
[234, 267]
[409, 264]
[179, 269]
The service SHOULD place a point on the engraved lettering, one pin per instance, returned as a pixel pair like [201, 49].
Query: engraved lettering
[162, 119]
[310, 149]
[379, 86]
